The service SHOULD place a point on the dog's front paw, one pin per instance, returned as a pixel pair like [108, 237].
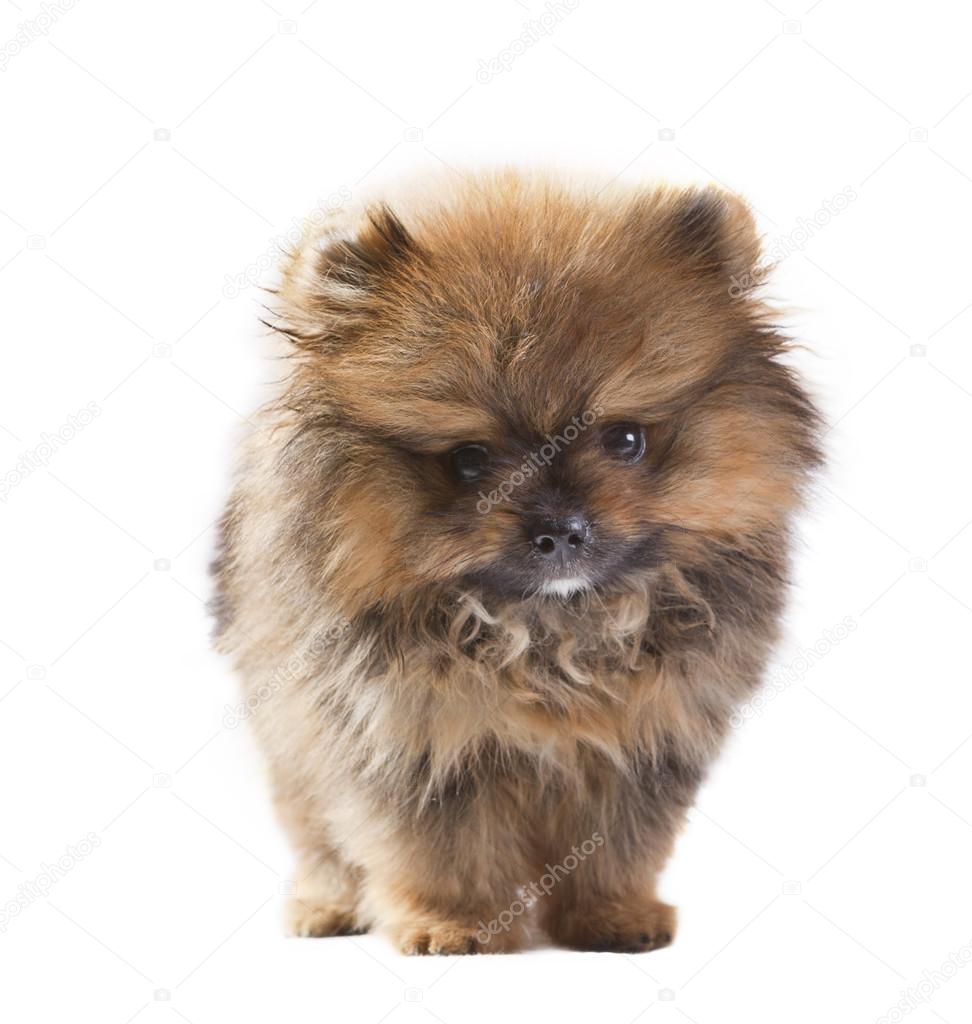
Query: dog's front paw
[446, 938]
[616, 928]
[315, 920]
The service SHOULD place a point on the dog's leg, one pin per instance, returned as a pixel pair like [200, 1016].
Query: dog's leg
[443, 878]
[606, 857]
[326, 897]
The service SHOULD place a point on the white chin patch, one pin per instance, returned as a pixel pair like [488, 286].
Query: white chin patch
[565, 587]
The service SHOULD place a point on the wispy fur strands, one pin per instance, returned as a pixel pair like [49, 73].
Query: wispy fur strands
[463, 726]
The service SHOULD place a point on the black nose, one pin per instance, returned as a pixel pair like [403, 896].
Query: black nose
[560, 539]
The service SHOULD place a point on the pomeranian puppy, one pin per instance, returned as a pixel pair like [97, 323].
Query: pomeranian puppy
[508, 550]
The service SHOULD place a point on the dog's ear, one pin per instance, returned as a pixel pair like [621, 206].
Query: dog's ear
[374, 247]
[716, 231]
[337, 274]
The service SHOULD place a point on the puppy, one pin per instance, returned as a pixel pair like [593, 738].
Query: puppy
[507, 551]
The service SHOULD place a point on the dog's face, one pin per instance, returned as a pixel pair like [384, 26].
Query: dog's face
[536, 393]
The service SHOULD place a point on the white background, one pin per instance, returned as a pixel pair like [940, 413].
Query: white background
[151, 154]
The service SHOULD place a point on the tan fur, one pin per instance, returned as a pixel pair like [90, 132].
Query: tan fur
[437, 742]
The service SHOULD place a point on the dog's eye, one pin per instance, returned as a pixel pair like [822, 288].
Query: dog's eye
[469, 462]
[624, 441]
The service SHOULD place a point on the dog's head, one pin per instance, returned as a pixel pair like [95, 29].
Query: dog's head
[534, 391]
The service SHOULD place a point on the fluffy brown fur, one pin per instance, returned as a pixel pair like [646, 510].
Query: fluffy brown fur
[444, 724]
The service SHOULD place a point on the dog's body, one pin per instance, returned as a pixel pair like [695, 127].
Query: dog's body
[483, 648]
